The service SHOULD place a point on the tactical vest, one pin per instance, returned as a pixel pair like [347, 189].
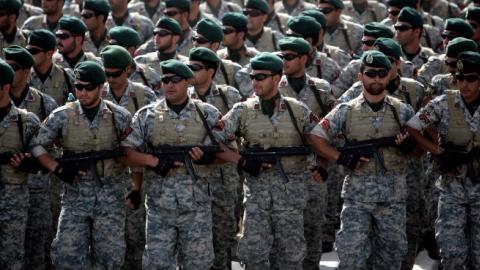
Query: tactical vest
[259, 131]
[34, 103]
[136, 98]
[54, 87]
[359, 128]
[267, 42]
[11, 142]
[81, 138]
[408, 92]
[220, 101]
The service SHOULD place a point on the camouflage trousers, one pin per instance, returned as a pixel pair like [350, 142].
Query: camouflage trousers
[223, 215]
[13, 223]
[313, 218]
[371, 228]
[273, 236]
[55, 190]
[458, 223]
[135, 237]
[39, 221]
[179, 225]
[331, 222]
[91, 227]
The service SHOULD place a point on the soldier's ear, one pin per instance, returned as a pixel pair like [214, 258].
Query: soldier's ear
[359, 76]
[215, 46]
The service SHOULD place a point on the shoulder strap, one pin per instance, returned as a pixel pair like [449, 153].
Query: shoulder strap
[20, 130]
[319, 100]
[43, 111]
[224, 97]
[205, 124]
[395, 115]
[67, 81]
[279, 23]
[274, 41]
[117, 133]
[294, 122]
[224, 73]
[427, 38]
[347, 39]
[144, 79]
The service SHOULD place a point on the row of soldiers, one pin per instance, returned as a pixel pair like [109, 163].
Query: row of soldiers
[190, 215]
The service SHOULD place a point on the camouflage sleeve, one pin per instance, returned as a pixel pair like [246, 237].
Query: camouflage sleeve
[429, 69]
[430, 115]
[233, 96]
[310, 119]
[150, 96]
[332, 124]
[138, 131]
[331, 70]
[406, 113]
[230, 123]
[346, 79]
[123, 119]
[351, 93]
[213, 116]
[244, 83]
[421, 93]
[52, 127]
[141, 59]
[49, 103]
[277, 35]
[32, 124]
[146, 26]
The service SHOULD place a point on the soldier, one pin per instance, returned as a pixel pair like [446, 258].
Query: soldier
[9, 32]
[454, 115]
[364, 11]
[179, 10]
[234, 34]
[18, 126]
[263, 38]
[152, 9]
[217, 8]
[93, 203]
[441, 8]
[120, 16]
[70, 37]
[179, 217]
[26, 11]
[292, 7]
[473, 17]
[94, 15]
[274, 202]
[408, 30]
[204, 64]
[316, 94]
[49, 20]
[129, 39]
[373, 214]
[454, 27]
[196, 14]
[167, 37]
[276, 21]
[340, 32]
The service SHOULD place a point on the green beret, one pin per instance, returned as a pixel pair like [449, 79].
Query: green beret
[459, 26]
[267, 61]
[19, 55]
[389, 47]
[169, 24]
[72, 24]
[125, 36]
[458, 45]
[204, 55]
[7, 73]
[115, 56]
[376, 30]
[317, 15]
[304, 25]
[296, 44]
[42, 38]
[374, 58]
[473, 13]
[180, 4]
[210, 30]
[336, 3]
[98, 6]
[468, 62]
[10, 6]
[235, 19]
[411, 16]
[176, 67]
[90, 71]
[402, 3]
[258, 4]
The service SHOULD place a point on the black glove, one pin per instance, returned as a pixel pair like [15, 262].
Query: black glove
[207, 158]
[164, 166]
[322, 171]
[349, 160]
[407, 146]
[135, 198]
[66, 173]
[449, 161]
[251, 165]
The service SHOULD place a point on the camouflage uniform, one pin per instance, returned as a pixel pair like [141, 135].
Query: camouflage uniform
[179, 217]
[375, 12]
[441, 83]
[186, 43]
[71, 9]
[244, 59]
[147, 76]
[19, 40]
[226, 73]
[278, 22]
[225, 6]
[224, 188]
[347, 36]
[143, 25]
[444, 9]
[133, 99]
[372, 200]
[273, 220]
[267, 42]
[341, 57]
[458, 206]
[59, 60]
[432, 20]
[140, 8]
[153, 60]
[421, 57]
[27, 11]
[301, 5]
[91, 208]
[323, 67]
[38, 22]
[58, 84]
[89, 45]
[435, 65]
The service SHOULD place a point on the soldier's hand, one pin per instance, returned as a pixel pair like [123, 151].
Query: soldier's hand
[351, 161]
[319, 174]
[66, 173]
[134, 199]
[250, 165]
[405, 143]
[25, 162]
[163, 166]
[201, 158]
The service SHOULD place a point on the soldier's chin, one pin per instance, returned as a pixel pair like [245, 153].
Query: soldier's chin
[375, 90]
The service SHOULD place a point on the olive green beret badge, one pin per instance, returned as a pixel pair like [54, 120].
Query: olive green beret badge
[369, 59]
[460, 65]
[77, 75]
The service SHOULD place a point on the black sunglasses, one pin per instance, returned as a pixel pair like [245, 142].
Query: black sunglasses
[173, 79]
[327, 10]
[63, 36]
[200, 40]
[114, 74]
[161, 32]
[468, 78]
[34, 50]
[87, 16]
[88, 87]
[402, 27]
[452, 64]
[372, 73]
[261, 76]
[15, 67]
[171, 13]
[368, 42]
[289, 56]
[394, 12]
[228, 30]
[196, 67]
[252, 12]
[449, 36]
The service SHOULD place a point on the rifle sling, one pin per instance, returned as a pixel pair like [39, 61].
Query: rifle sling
[294, 122]
[205, 124]
[319, 100]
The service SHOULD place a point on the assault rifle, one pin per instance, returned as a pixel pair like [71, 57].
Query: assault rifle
[458, 155]
[5, 158]
[273, 155]
[369, 148]
[181, 154]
